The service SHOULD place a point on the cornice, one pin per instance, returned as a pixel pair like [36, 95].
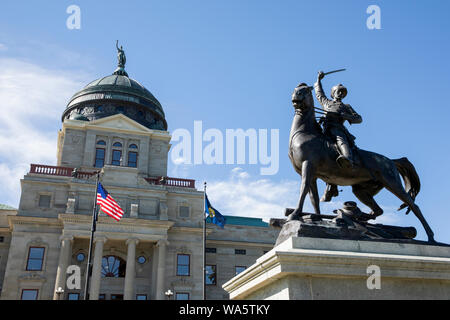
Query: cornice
[240, 243]
[198, 230]
[96, 125]
[139, 223]
[26, 220]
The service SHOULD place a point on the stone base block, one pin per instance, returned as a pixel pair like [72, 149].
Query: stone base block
[313, 268]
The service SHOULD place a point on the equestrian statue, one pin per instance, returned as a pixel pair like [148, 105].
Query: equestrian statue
[330, 154]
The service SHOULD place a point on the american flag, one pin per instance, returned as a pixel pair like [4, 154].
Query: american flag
[107, 204]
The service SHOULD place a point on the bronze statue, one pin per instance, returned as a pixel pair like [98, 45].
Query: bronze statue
[336, 113]
[121, 58]
[313, 155]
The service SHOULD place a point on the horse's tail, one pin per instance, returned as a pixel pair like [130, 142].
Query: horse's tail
[410, 177]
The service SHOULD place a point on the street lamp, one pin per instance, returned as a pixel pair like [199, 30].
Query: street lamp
[168, 294]
[59, 292]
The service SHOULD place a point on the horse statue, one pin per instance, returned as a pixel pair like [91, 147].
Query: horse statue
[314, 155]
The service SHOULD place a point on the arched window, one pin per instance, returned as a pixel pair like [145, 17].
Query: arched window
[116, 154]
[100, 154]
[132, 155]
[113, 267]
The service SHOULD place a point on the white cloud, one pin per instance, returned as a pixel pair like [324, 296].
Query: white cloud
[32, 100]
[180, 168]
[243, 195]
[3, 47]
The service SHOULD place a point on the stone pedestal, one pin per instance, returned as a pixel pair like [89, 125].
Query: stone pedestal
[315, 268]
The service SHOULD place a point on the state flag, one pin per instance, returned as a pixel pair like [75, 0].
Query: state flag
[215, 216]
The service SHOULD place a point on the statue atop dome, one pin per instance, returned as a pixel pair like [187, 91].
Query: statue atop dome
[121, 60]
[120, 55]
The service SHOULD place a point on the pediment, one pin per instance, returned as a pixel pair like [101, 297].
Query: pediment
[119, 122]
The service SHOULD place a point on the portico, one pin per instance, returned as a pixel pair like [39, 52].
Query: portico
[116, 239]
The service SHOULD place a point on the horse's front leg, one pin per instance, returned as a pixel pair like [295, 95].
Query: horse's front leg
[307, 178]
[314, 195]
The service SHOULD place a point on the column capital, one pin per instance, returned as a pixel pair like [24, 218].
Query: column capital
[66, 237]
[131, 240]
[162, 242]
[100, 239]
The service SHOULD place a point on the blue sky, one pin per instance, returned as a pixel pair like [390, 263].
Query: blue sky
[234, 64]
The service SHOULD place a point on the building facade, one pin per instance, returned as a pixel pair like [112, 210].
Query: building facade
[117, 126]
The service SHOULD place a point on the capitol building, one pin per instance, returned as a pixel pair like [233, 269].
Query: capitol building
[114, 124]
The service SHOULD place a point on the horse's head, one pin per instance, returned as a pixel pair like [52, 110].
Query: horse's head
[302, 98]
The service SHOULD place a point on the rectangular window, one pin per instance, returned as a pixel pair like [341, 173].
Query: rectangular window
[99, 158]
[101, 296]
[183, 265]
[240, 251]
[132, 159]
[35, 258]
[239, 269]
[210, 278]
[29, 294]
[117, 297]
[2, 239]
[210, 250]
[184, 212]
[141, 297]
[73, 296]
[116, 155]
[182, 296]
[44, 201]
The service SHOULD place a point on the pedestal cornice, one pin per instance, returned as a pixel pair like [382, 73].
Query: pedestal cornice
[302, 257]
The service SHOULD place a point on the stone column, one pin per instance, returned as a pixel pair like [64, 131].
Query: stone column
[160, 274]
[65, 255]
[96, 268]
[108, 151]
[125, 152]
[130, 272]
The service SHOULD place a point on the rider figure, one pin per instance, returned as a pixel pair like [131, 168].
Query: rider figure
[337, 113]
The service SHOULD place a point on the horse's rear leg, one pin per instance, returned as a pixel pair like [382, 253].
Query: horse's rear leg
[307, 177]
[398, 190]
[365, 194]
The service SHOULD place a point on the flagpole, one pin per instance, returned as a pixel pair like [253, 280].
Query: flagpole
[204, 241]
[93, 227]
